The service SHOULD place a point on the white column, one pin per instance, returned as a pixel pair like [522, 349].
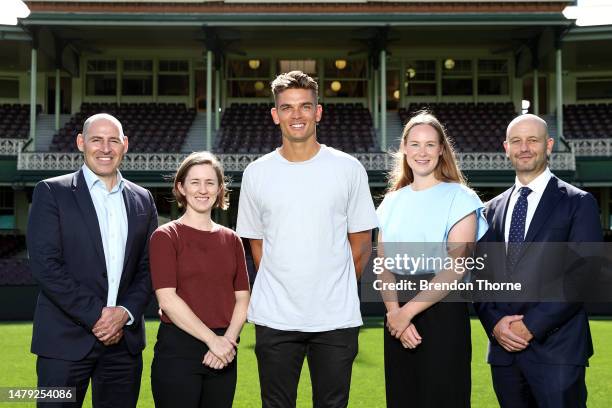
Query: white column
[217, 99]
[375, 104]
[383, 100]
[57, 99]
[209, 107]
[33, 73]
[536, 92]
[559, 85]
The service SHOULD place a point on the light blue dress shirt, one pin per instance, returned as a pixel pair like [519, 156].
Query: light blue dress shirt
[113, 222]
[418, 222]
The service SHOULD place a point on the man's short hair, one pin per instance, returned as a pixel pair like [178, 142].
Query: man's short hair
[102, 116]
[294, 80]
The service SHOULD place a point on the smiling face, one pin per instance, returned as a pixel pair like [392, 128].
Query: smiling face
[103, 149]
[528, 146]
[200, 188]
[423, 149]
[297, 113]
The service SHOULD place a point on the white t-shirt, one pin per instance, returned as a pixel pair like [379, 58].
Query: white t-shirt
[303, 211]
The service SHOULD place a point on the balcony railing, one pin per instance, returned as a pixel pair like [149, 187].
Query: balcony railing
[591, 147]
[10, 147]
[168, 162]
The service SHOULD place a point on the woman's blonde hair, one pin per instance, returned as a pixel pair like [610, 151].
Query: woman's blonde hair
[447, 168]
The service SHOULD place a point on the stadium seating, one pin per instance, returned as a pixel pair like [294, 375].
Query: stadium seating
[15, 271]
[248, 128]
[15, 120]
[150, 127]
[592, 121]
[11, 244]
[474, 127]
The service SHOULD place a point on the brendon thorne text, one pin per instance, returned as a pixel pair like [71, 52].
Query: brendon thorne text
[425, 284]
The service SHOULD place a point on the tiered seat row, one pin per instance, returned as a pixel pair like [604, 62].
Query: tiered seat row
[474, 127]
[150, 127]
[15, 120]
[11, 244]
[15, 271]
[587, 121]
[248, 128]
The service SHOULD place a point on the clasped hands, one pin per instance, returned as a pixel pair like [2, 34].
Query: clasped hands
[221, 352]
[109, 327]
[399, 324]
[512, 334]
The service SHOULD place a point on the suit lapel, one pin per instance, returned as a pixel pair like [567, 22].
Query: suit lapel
[85, 203]
[547, 203]
[130, 208]
[499, 219]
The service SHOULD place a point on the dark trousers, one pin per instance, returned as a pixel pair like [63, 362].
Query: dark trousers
[178, 377]
[280, 356]
[114, 373]
[437, 373]
[526, 384]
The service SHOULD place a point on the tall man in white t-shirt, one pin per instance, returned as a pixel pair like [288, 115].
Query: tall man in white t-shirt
[307, 211]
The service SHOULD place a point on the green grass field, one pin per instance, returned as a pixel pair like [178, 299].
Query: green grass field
[367, 389]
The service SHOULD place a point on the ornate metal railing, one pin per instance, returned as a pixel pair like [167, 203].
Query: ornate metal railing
[168, 162]
[10, 147]
[591, 147]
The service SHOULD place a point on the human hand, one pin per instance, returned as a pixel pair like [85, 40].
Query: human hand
[212, 361]
[507, 338]
[110, 322]
[222, 348]
[410, 338]
[519, 328]
[115, 339]
[397, 322]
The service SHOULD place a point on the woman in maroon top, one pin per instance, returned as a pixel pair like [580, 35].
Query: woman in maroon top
[200, 279]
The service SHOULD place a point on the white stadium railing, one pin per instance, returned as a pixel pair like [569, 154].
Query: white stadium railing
[10, 147]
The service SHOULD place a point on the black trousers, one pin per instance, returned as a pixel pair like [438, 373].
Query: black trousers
[280, 356]
[113, 371]
[436, 374]
[178, 377]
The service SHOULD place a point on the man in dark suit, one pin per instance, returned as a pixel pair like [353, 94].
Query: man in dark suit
[538, 351]
[87, 239]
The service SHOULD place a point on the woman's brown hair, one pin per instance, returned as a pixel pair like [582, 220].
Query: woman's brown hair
[195, 159]
[447, 168]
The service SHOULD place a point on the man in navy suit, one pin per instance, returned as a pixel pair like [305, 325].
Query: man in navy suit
[87, 239]
[538, 351]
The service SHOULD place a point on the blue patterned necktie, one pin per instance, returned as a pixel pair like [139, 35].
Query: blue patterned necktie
[517, 228]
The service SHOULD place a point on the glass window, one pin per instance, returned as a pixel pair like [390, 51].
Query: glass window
[137, 85]
[593, 88]
[307, 66]
[173, 85]
[457, 77]
[251, 68]
[420, 78]
[9, 88]
[343, 68]
[249, 89]
[347, 89]
[173, 66]
[101, 84]
[493, 77]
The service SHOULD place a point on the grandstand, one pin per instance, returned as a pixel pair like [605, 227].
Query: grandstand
[188, 75]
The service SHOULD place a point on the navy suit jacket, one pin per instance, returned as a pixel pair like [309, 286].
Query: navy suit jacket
[560, 329]
[67, 261]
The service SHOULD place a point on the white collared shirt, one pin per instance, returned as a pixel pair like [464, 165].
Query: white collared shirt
[537, 186]
[113, 222]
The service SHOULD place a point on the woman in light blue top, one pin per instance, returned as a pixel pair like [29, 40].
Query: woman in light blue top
[427, 341]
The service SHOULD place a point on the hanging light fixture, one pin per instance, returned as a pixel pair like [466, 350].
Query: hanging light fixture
[336, 86]
[449, 63]
[340, 63]
[254, 63]
[411, 72]
[259, 86]
[396, 94]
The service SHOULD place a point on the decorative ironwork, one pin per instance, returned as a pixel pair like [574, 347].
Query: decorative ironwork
[10, 147]
[591, 147]
[168, 162]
